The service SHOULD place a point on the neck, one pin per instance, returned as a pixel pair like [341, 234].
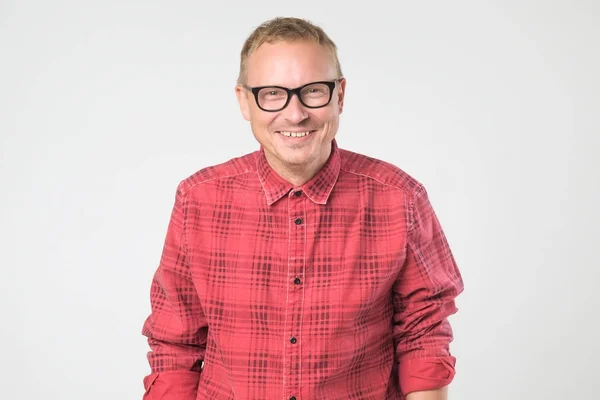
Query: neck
[298, 175]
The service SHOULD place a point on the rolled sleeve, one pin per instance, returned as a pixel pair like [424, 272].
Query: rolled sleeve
[176, 385]
[424, 294]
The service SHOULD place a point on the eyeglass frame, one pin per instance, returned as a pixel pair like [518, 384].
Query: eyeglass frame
[290, 92]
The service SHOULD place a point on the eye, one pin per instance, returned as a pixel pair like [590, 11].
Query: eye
[316, 91]
[273, 93]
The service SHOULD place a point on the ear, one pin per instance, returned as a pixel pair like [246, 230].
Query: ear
[242, 97]
[341, 93]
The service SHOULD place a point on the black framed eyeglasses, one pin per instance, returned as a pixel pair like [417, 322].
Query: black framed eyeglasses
[276, 98]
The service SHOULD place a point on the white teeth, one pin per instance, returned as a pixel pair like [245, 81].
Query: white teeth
[294, 134]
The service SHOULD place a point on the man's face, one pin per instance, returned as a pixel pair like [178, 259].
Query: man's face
[292, 64]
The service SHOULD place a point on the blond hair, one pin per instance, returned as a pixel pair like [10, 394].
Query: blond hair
[285, 29]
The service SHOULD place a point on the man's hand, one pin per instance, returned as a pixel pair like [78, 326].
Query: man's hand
[437, 394]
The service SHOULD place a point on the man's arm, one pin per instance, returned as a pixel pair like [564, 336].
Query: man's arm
[176, 328]
[436, 394]
[424, 294]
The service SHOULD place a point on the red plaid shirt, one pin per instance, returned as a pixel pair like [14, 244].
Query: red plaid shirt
[339, 289]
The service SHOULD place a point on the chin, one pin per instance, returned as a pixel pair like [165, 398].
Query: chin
[297, 156]
[296, 160]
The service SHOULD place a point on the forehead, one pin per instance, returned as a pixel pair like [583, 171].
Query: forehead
[289, 64]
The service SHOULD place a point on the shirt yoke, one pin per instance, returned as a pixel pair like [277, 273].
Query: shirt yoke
[230, 168]
[381, 171]
[355, 163]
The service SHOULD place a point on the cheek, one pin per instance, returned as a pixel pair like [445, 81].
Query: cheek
[261, 120]
[331, 119]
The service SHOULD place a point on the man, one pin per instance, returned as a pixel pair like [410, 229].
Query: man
[302, 270]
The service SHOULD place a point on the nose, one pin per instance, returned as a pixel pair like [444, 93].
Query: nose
[295, 112]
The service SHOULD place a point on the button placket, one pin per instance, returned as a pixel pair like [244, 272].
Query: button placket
[295, 292]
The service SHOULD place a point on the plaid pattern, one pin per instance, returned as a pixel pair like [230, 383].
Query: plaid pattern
[339, 289]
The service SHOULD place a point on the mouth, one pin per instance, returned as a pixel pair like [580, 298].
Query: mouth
[293, 134]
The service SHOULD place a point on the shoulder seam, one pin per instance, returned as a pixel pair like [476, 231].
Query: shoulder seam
[419, 190]
[402, 188]
[209, 179]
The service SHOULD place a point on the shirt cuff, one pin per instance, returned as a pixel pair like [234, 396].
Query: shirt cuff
[429, 373]
[175, 385]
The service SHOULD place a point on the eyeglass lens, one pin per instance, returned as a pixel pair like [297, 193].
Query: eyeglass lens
[273, 98]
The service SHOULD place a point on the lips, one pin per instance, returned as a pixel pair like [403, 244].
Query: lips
[298, 134]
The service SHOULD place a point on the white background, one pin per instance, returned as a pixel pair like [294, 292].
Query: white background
[106, 105]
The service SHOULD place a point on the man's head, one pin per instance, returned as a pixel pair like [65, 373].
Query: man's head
[291, 53]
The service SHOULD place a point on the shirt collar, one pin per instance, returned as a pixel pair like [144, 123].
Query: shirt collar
[317, 189]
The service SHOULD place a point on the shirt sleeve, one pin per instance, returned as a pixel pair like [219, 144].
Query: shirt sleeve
[176, 328]
[424, 294]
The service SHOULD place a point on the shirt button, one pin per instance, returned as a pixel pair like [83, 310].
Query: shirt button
[298, 221]
[293, 340]
[297, 281]
[293, 398]
[298, 193]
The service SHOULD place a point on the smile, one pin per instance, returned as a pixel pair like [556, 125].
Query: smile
[295, 134]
